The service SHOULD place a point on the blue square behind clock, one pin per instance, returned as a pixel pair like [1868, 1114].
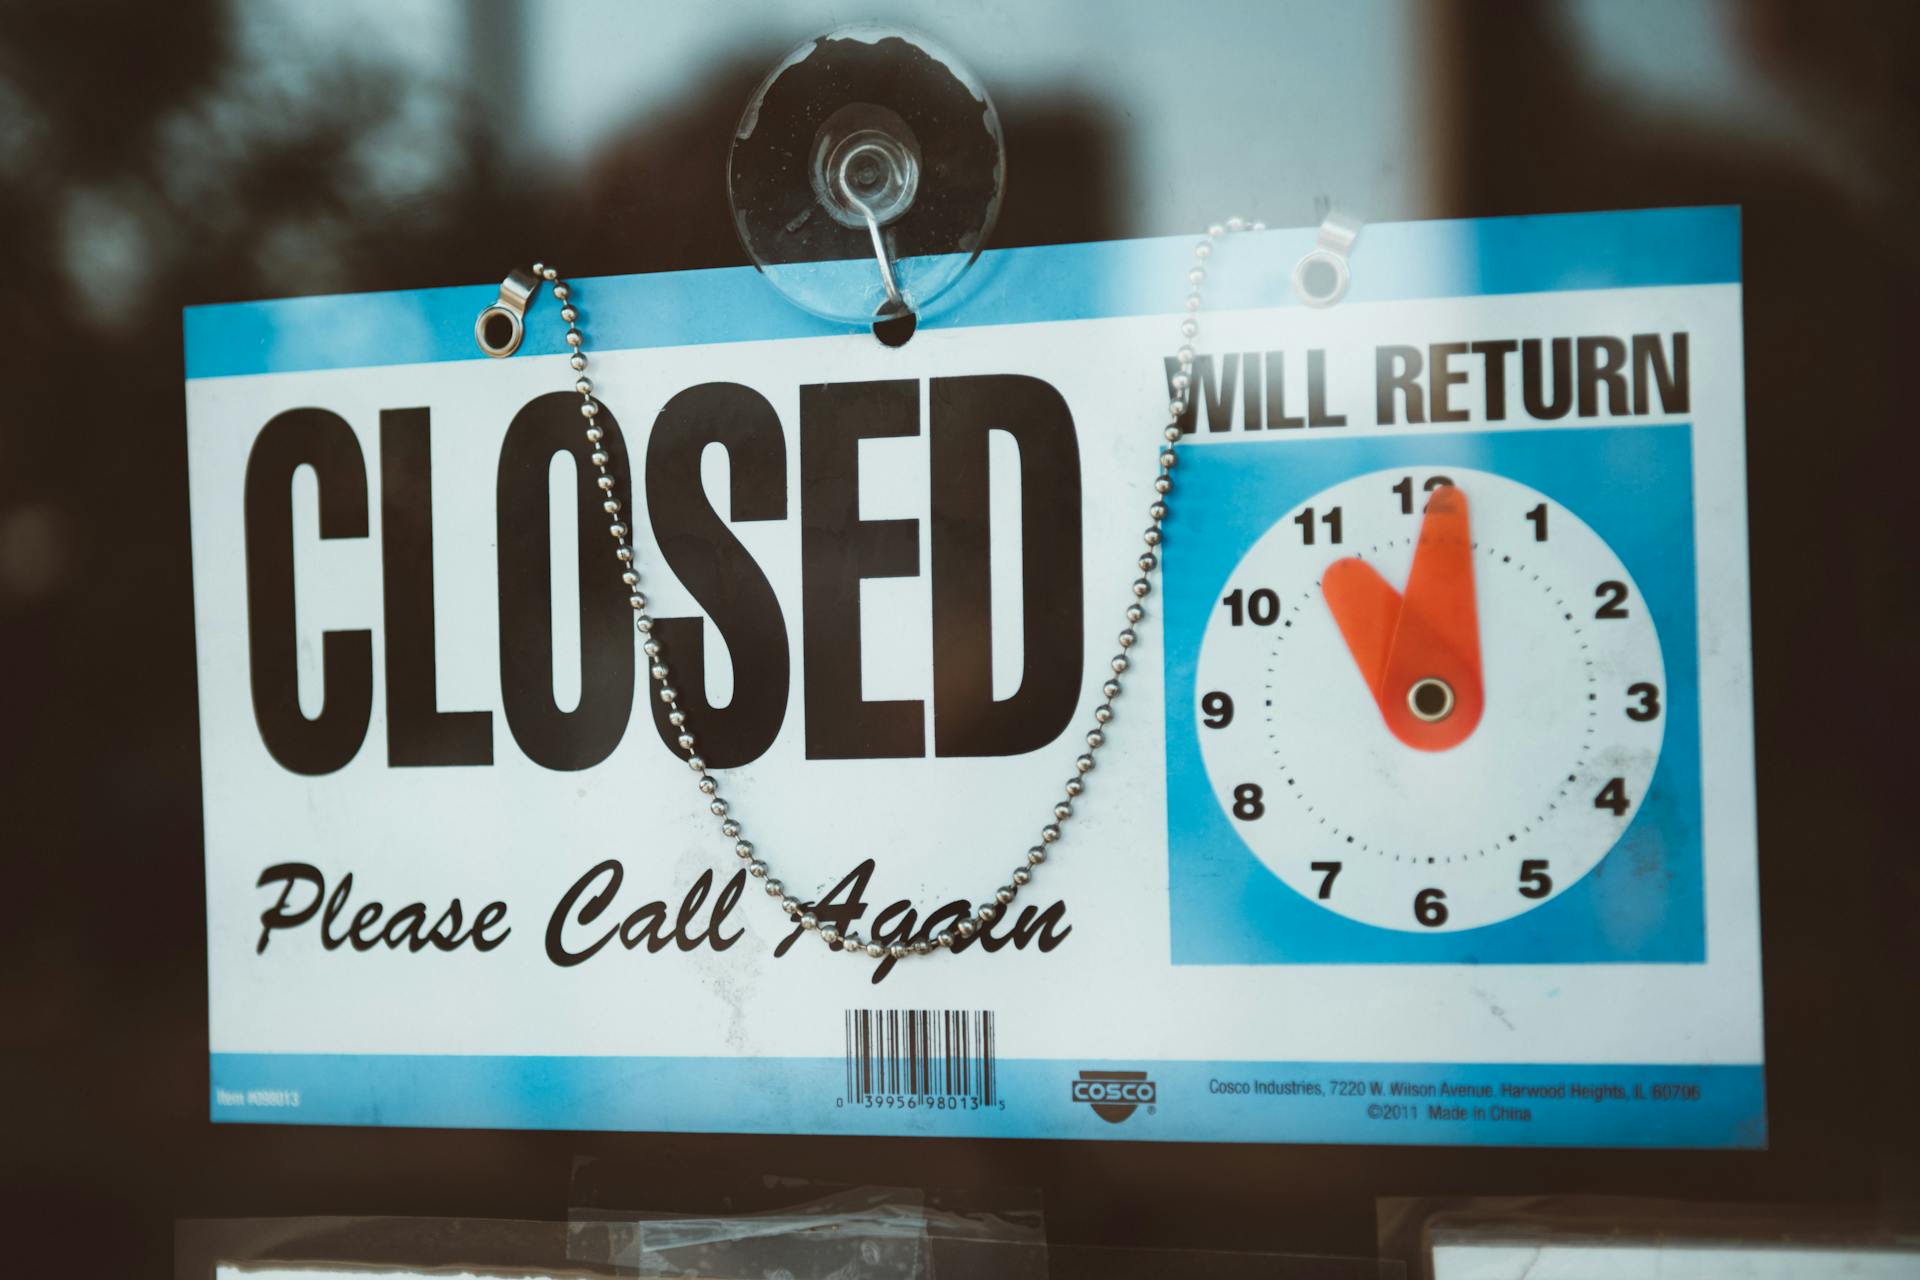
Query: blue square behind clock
[1643, 902]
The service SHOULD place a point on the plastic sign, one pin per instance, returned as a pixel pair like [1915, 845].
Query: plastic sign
[1427, 814]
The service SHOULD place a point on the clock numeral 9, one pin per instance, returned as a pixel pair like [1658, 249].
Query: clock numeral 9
[1534, 880]
[1613, 796]
[1247, 802]
[1305, 521]
[1430, 907]
[1218, 709]
[1405, 490]
[1260, 606]
[1329, 870]
[1649, 695]
[1611, 596]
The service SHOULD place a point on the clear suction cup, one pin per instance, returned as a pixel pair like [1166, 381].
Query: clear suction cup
[866, 175]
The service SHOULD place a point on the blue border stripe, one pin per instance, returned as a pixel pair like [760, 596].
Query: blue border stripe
[1565, 1105]
[1391, 261]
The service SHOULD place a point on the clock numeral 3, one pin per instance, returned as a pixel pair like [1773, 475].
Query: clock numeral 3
[1649, 695]
[1612, 595]
[1613, 796]
[1534, 880]
[1247, 804]
[1305, 521]
[1430, 907]
[1218, 709]
[1261, 606]
[1329, 870]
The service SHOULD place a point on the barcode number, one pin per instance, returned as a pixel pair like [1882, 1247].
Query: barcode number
[942, 1059]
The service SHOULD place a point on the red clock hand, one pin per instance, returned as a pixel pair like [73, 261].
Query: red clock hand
[1431, 689]
[1419, 652]
[1368, 611]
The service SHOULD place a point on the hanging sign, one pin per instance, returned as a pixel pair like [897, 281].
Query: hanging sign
[1426, 815]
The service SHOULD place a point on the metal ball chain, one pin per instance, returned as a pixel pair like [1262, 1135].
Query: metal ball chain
[849, 941]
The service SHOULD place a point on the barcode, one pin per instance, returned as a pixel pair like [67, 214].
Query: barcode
[912, 1056]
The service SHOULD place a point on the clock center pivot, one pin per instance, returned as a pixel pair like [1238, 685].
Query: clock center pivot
[1431, 699]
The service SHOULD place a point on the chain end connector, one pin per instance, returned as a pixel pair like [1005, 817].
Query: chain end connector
[502, 325]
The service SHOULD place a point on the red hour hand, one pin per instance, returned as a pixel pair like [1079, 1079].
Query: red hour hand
[1419, 651]
[1368, 611]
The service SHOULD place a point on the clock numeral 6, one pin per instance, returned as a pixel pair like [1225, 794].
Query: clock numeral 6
[1613, 796]
[1649, 695]
[1218, 710]
[1247, 804]
[1405, 490]
[1305, 521]
[1430, 907]
[1534, 880]
[1611, 595]
[1328, 870]
[1260, 606]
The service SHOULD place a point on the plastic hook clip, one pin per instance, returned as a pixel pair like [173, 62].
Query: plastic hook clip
[1321, 277]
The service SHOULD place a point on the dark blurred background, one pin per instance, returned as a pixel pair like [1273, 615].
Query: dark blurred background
[158, 155]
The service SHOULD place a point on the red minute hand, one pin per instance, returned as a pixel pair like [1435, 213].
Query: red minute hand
[1430, 689]
[1419, 653]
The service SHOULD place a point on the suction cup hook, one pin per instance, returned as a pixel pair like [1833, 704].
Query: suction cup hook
[866, 175]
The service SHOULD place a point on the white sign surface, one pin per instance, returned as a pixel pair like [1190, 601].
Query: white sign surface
[1425, 816]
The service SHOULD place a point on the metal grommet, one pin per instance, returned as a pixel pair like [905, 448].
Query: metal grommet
[500, 327]
[498, 331]
[1430, 699]
[1320, 278]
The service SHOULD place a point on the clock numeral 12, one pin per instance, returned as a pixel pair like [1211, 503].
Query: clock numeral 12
[1305, 521]
[1405, 490]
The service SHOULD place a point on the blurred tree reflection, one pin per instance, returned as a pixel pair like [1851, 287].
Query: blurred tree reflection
[158, 156]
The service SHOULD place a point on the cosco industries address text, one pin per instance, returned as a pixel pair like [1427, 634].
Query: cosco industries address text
[1414, 1101]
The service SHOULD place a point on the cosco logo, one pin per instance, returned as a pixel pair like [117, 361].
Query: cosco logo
[1114, 1095]
[1112, 1091]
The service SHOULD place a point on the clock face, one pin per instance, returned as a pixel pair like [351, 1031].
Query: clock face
[1430, 700]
